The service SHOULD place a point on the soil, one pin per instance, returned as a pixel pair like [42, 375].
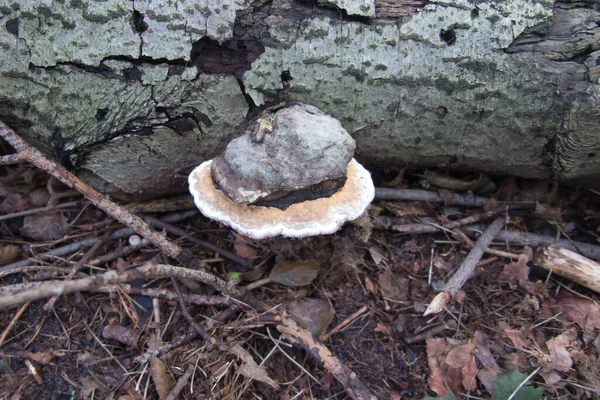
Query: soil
[509, 316]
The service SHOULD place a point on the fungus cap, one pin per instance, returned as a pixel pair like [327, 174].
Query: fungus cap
[308, 218]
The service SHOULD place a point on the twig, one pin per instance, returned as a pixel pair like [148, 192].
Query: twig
[464, 200]
[78, 265]
[174, 393]
[32, 268]
[431, 228]
[431, 332]
[207, 245]
[38, 210]
[13, 322]
[10, 159]
[146, 271]
[344, 323]
[187, 315]
[534, 240]
[119, 253]
[73, 247]
[35, 157]
[494, 252]
[162, 349]
[527, 379]
[463, 273]
[302, 337]
[198, 299]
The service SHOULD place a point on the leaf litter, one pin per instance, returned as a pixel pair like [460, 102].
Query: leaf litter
[511, 320]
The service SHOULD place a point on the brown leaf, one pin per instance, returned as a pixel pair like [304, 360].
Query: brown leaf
[242, 247]
[517, 337]
[385, 329]
[47, 226]
[460, 356]
[560, 359]
[376, 254]
[295, 273]
[393, 286]
[313, 315]
[516, 272]
[163, 381]
[371, 286]
[442, 264]
[10, 253]
[583, 312]
[490, 367]
[121, 334]
[250, 369]
[14, 202]
[436, 350]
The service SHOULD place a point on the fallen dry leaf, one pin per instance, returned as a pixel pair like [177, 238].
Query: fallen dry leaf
[313, 315]
[385, 329]
[519, 340]
[47, 226]
[163, 381]
[560, 359]
[295, 273]
[250, 369]
[452, 365]
[242, 247]
[376, 254]
[14, 202]
[490, 367]
[120, 333]
[393, 286]
[583, 312]
[460, 356]
[10, 253]
[371, 286]
[402, 209]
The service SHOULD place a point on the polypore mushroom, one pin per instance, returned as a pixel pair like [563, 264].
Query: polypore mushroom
[292, 174]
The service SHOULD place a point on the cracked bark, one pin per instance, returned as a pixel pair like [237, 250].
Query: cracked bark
[412, 85]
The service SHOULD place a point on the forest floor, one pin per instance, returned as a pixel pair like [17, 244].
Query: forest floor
[513, 330]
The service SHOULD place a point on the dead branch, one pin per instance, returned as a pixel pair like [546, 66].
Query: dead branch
[180, 385]
[38, 210]
[302, 337]
[75, 246]
[464, 272]
[570, 265]
[10, 159]
[146, 271]
[493, 252]
[203, 334]
[35, 157]
[198, 299]
[207, 245]
[464, 200]
[534, 240]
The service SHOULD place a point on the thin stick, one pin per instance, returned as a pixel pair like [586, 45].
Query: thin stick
[514, 393]
[187, 315]
[146, 271]
[431, 228]
[119, 213]
[10, 159]
[464, 272]
[534, 240]
[73, 247]
[198, 299]
[344, 323]
[348, 378]
[174, 393]
[78, 265]
[207, 245]
[464, 200]
[38, 210]
[493, 252]
[13, 322]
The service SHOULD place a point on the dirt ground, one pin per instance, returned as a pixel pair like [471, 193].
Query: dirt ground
[512, 320]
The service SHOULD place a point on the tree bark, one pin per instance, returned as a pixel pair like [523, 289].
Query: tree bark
[509, 87]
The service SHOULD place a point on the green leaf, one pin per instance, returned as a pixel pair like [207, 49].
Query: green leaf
[506, 383]
[449, 396]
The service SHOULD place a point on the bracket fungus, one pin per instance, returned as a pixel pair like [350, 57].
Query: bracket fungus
[290, 174]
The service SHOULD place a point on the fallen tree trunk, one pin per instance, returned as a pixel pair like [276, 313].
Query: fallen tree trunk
[508, 87]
